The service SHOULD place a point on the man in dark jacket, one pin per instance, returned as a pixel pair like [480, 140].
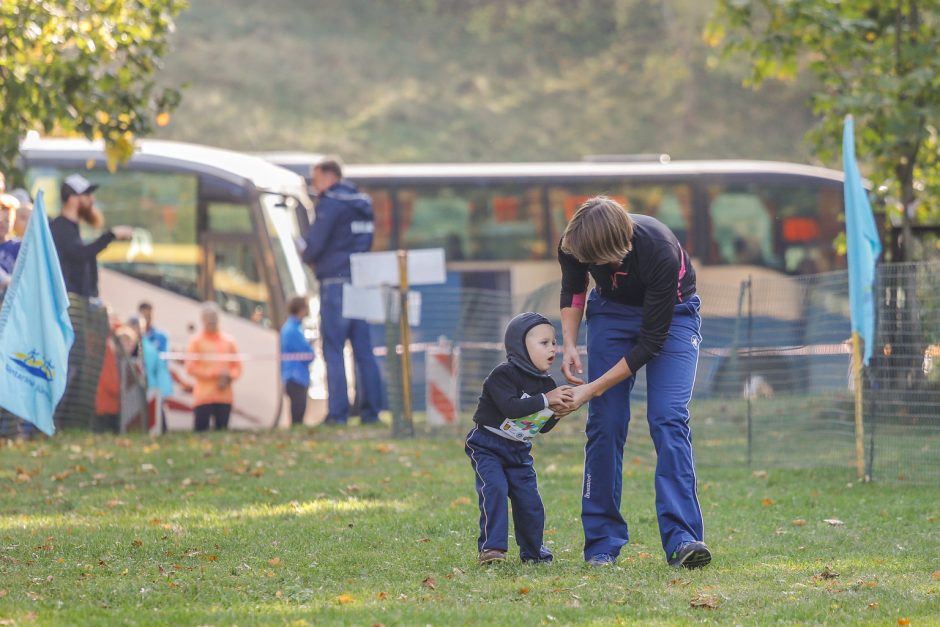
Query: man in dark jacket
[343, 226]
[79, 262]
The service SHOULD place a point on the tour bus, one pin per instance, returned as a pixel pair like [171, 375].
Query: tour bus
[209, 225]
[500, 224]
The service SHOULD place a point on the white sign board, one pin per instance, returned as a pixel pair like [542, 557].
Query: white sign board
[371, 304]
[425, 267]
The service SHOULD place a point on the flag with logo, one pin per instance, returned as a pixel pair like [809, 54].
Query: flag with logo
[35, 331]
[862, 243]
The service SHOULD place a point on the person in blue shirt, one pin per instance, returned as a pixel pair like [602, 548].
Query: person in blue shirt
[159, 380]
[343, 225]
[295, 372]
[9, 245]
[156, 337]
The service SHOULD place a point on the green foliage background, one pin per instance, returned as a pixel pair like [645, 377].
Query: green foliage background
[413, 80]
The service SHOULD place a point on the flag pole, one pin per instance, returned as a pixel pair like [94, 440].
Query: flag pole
[859, 422]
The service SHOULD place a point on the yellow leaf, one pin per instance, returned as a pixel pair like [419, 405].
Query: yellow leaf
[904, 621]
[343, 599]
[163, 119]
[279, 594]
[523, 591]
[798, 522]
[767, 502]
[274, 561]
[874, 606]
[103, 117]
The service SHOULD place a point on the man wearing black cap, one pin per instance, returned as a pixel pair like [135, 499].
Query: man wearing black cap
[89, 319]
[78, 259]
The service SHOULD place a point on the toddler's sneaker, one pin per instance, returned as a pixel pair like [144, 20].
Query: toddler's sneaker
[491, 556]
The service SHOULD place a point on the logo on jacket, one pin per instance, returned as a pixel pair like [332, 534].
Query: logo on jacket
[362, 226]
[695, 341]
[35, 365]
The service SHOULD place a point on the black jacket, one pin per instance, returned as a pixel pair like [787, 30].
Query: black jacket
[79, 260]
[505, 386]
[656, 275]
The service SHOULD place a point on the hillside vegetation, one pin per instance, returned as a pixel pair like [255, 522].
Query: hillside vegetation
[451, 80]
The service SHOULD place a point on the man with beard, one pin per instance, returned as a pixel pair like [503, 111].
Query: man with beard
[78, 259]
[89, 318]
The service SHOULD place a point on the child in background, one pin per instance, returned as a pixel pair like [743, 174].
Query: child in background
[519, 401]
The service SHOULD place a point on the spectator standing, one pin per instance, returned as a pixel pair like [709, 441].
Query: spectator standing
[23, 213]
[9, 245]
[9, 249]
[79, 264]
[209, 362]
[78, 259]
[159, 380]
[343, 225]
[295, 372]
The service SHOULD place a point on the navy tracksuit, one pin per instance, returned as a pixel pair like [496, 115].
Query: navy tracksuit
[512, 394]
[612, 330]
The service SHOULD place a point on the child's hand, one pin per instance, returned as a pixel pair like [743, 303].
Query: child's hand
[560, 399]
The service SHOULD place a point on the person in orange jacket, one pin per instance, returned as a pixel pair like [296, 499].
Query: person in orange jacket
[213, 374]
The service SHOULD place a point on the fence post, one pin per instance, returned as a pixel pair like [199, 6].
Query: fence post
[405, 426]
[750, 348]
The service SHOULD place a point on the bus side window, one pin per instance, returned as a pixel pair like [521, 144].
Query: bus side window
[162, 209]
[741, 229]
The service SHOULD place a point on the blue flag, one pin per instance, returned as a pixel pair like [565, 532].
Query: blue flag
[861, 237]
[35, 331]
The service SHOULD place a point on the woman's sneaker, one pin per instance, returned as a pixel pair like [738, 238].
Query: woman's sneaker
[491, 556]
[691, 555]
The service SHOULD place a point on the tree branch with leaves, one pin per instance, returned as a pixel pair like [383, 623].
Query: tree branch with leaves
[84, 67]
[875, 59]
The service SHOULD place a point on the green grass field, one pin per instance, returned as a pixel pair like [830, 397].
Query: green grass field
[329, 527]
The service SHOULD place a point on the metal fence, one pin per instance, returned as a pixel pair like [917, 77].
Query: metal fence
[774, 384]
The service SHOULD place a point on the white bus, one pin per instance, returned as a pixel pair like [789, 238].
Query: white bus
[210, 225]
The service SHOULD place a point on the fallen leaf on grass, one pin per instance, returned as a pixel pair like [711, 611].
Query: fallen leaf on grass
[760, 474]
[644, 556]
[257, 471]
[423, 540]
[343, 599]
[704, 601]
[766, 502]
[904, 621]
[678, 581]
[827, 573]
[460, 501]
[936, 574]
[523, 591]
[138, 543]
[274, 561]
[835, 522]
[382, 596]
[3, 593]
[797, 522]
[874, 606]
[212, 558]
[429, 583]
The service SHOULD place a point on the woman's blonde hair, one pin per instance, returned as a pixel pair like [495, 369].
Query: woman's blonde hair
[600, 231]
